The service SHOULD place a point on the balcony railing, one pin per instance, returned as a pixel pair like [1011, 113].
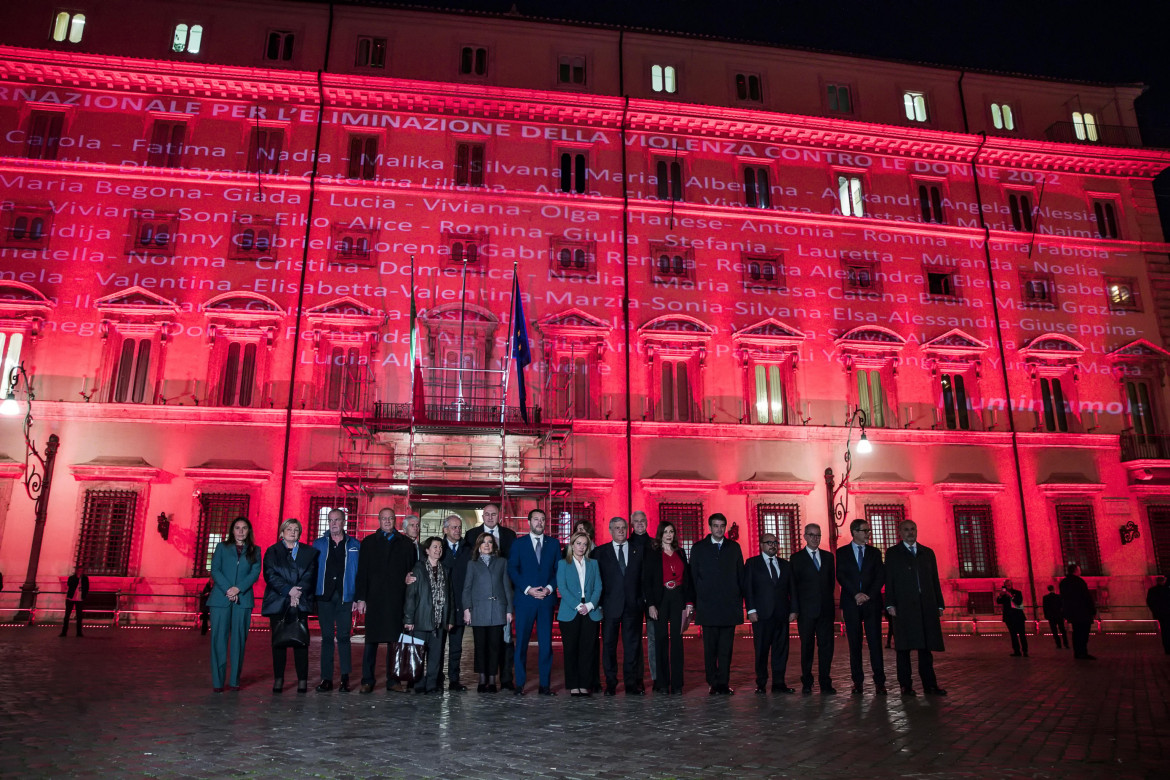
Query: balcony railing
[1096, 135]
[1144, 447]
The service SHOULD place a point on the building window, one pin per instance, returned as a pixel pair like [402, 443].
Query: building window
[1140, 411]
[915, 105]
[1084, 126]
[663, 79]
[571, 70]
[572, 259]
[27, 227]
[1020, 206]
[1001, 117]
[166, 144]
[955, 405]
[466, 250]
[1055, 405]
[265, 149]
[363, 157]
[217, 513]
[154, 235]
[1159, 524]
[763, 272]
[238, 381]
[353, 245]
[469, 164]
[687, 520]
[343, 380]
[1123, 294]
[884, 520]
[571, 391]
[1106, 213]
[187, 39]
[668, 175]
[43, 139]
[574, 167]
[940, 283]
[321, 506]
[565, 515]
[1078, 538]
[770, 400]
[473, 61]
[851, 195]
[783, 520]
[107, 531]
[1038, 289]
[871, 397]
[279, 46]
[10, 346]
[975, 538]
[253, 239]
[747, 87]
[930, 202]
[129, 382]
[756, 187]
[672, 265]
[68, 26]
[840, 98]
[677, 401]
[860, 276]
[371, 52]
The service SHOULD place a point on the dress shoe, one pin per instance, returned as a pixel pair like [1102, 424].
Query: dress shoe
[324, 685]
[481, 688]
[492, 689]
[518, 692]
[660, 689]
[761, 689]
[935, 691]
[880, 690]
[713, 690]
[344, 687]
[828, 690]
[508, 686]
[1015, 655]
[676, 691]
[456, 687]
[908, 691]
[611, 690]
[635, 691]
[546, 691]
[782, 689]
[727, 690]
[366, 688]
[806, 690]
[233, 687]
[856, 690]
[217, 690]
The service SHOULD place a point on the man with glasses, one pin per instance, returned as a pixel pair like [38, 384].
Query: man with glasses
[861, 574]
[812, 573]
[771, 607]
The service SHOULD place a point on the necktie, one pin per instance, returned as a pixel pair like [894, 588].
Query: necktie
[772, 569]
[538, 549]
[816, 560]
[622, 557]
[455, 548]
[917, 576]
[860, 553]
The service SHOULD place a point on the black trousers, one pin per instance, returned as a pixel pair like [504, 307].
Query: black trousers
[1163, 629]
[1059, 634]
[507, 665]
[434, 640]
[668, 643]
[72, 606]
[336, 619]
[867, 621]
[925, 669]
[489, 643]
[453, 651]
[816, 633]
[1081, 637]
[629, 628]
[300, 656]
[370, 663]
[717, 643]
[770, 639]
[579, 641]
[1018, 629]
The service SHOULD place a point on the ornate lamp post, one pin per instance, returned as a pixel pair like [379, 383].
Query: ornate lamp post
[839, 508]
[38, 481]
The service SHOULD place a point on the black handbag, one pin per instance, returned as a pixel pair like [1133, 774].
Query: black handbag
[410, 659]
[290, 630]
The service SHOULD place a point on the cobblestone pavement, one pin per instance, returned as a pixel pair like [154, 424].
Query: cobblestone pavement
[138, 703]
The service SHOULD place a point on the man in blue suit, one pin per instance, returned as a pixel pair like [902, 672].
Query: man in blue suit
[532, 567]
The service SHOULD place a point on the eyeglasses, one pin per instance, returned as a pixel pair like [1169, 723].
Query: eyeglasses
[766, 541]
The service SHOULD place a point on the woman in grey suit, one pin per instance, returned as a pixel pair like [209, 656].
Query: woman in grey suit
[430, 611]
[487, 594]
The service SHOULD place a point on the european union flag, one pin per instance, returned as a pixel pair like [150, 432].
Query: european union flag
[521, 352]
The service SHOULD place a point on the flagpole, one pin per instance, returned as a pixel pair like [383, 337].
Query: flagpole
[511, 346]
[410, 335]
[459, 371]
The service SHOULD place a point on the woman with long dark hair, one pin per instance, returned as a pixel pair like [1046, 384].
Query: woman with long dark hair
[235, 567]
[670, 597]
[290, 572]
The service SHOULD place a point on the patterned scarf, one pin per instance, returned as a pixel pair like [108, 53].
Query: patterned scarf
[438, 577]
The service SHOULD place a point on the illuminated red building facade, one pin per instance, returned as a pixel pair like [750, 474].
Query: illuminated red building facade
[209, 216]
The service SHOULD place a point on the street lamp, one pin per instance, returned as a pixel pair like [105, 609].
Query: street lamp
[839, 508]
[38, 480]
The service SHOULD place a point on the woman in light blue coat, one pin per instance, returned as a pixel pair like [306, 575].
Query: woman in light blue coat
[235, 567]
[579, 582]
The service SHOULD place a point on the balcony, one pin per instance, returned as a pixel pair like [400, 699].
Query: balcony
[1144, 447]
[1095, 135]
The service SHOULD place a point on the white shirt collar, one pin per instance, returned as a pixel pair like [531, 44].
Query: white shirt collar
[811, 551]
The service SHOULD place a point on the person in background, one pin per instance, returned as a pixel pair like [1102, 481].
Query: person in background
[670, 601]
[204, 611]
[235, 567]
[579, 583]
[290, 569]
[487, 608]
[456, 554]
[337, 567]
[1079, 609]
[1158, 601]
[77, 591]
[429, 612]
[1054, 614]
[1012, 602]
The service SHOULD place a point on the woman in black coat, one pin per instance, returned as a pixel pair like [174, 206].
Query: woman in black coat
[430, 610]
[290, 574]
[670, 600]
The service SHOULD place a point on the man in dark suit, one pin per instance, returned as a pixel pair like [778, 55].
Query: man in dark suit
[771, 606]
[717, 571]
[1054, 614]
[861, 575]
[1158, 602]
[77, 591]
[1012, 602]
[454, 561]
[815, 582]
[532, 567]
[411, 528]
[639, 534]
[620, 564]
[504, 539]
[385, 560]
[1079, 609]
[914, 597]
